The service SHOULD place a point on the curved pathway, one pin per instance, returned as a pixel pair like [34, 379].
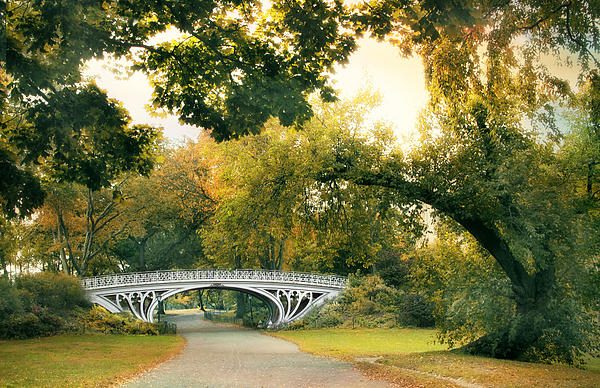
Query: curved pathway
[223, 357]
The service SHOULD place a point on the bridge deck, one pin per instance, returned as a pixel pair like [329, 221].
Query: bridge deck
[134, 278]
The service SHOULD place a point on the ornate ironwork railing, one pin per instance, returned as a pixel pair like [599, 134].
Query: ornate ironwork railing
[152, 277]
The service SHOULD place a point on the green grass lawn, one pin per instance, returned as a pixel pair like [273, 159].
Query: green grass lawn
[593, 365]
[411, 357]
[363, 342]
[89, 360]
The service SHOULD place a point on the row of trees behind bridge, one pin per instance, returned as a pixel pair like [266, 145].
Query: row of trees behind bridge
[249, 203]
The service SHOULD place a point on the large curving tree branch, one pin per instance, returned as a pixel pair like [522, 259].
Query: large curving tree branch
[530, 289]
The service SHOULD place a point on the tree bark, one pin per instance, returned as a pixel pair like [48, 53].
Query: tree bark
[280, 254]
[93, 226]
[201, 300]
[65, 234]
[3, 262]
[61, 252]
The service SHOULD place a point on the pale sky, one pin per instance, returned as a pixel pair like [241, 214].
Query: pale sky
[400, 81]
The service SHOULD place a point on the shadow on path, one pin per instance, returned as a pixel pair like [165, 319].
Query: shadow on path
[218, 356]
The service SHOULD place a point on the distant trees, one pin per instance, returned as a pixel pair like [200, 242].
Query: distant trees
[255, 202]
[140, 223]
[278, 214]
[168, 209]
[81, 223]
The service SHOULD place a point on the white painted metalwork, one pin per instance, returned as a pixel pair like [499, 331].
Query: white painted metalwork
[290, 294]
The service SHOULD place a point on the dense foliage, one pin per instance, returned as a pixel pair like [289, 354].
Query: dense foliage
[276, 214]
[472, 297]
[227, 54]
[369, 302]
[487, 159]
[46, 303]
[40, 305]
[100, 320]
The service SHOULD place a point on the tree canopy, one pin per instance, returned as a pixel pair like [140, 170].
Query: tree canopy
[232, 67]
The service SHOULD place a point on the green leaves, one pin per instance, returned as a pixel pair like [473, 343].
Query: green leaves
[487, 157]
[229, 74]
[20, 191]
[282, 208]
[230, 71]
[92, 148]
[49, 118]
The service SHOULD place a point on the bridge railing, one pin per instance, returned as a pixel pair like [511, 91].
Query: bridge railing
[140, 278]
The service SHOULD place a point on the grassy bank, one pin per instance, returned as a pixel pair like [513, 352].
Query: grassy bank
[352, 343]
[91, 360]
[411, 358]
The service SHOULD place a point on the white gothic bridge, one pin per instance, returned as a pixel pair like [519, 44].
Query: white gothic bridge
[290, 295]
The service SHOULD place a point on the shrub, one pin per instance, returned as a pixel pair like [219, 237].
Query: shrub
[135, 326]
[44, 304]
[328, 315]
[10, 302]
[19, 326]
[368, 302]
[39, 305]
[101, 320]
[394, 268]
[57, 291]
[416, 311]
[31, 324]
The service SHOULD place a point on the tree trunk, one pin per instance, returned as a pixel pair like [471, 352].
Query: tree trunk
[61, 252]
[63, 261]
[65, 235]
[279, 263]
[514, 340]
[240, 303]
[3, 262]
[251, 311]
[532, 295]
[141, 248]
[93, 226]
[273, 257]
[532, 292]
[200, 300]
[142, 254]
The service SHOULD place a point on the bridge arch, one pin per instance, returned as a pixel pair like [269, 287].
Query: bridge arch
[268, 299]
[290, 294]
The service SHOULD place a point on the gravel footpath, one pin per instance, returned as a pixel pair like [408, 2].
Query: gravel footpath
[222, 357]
